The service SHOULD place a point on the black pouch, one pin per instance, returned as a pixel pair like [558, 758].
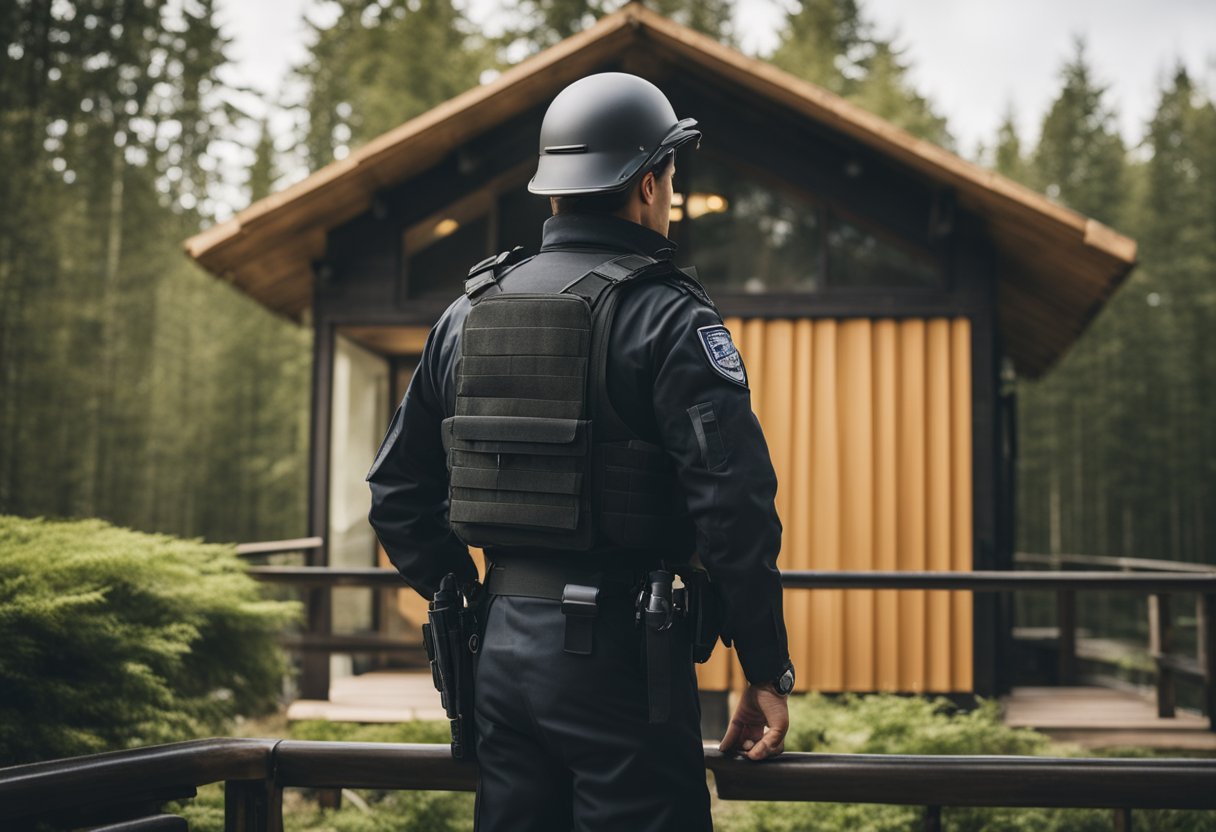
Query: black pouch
[704, 614]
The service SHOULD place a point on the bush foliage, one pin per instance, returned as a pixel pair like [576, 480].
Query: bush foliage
[886, 724]
[111, 638]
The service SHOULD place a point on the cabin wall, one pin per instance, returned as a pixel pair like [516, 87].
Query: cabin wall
[868, 423]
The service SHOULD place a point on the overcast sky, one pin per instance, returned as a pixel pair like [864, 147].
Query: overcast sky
[971, 58]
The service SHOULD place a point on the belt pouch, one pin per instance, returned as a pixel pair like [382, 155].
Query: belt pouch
[579, 606]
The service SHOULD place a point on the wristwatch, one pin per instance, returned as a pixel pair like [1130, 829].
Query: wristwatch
[784, 683]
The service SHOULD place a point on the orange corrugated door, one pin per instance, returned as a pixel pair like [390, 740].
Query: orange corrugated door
[869, 425]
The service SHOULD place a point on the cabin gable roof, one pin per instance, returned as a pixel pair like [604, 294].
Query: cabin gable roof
[1055, 267]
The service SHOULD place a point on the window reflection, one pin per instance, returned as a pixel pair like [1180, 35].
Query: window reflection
[747, 236]
[752, 233]
[747, 232]
[858, 258]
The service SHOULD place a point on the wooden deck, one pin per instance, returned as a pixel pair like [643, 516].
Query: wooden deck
[1090, 716]
[383, 696]
[1101, 717]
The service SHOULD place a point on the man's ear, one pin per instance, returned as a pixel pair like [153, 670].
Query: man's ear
[648, 187]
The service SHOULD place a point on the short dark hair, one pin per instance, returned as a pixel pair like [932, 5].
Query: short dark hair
[608, 203]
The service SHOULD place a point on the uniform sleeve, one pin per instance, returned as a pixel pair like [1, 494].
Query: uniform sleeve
[702, 407]
[409, 487]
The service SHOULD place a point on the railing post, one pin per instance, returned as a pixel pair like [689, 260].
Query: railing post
[932, 819]
[252, 806]
[1160, 644]
[1206, 620]
[1066, 616]
[1123, 820]
[314, 664]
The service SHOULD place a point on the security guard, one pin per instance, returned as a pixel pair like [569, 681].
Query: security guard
[582, 414]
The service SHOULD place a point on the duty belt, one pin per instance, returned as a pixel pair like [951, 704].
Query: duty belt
[579, 590]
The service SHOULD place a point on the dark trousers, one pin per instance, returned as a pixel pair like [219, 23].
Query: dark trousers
[564, 741]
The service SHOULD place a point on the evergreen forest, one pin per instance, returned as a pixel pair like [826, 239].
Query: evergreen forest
[138, 389]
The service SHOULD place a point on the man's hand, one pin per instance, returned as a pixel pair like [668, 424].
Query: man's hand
[759, 724]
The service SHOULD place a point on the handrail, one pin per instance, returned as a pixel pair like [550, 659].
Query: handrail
[999, 581]
[80, 784]
[957, 780]
[274, 547]
[1115, 562]
[978, 581]
[329, 576]
[372, 765]
[95, 779]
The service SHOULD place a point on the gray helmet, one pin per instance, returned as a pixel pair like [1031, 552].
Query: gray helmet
[602, 131]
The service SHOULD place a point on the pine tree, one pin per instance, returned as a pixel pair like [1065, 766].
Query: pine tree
[824, 41]
[382, 63]
[885, 91]
[538, 24]
[114, 385]
[832, 44]
[1080, 155]
[1176, 232]
[265, 170]
[1008, 158]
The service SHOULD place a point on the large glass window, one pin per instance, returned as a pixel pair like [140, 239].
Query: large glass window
[359, 400]
[857, 257]
[749, 231]
[749, 235]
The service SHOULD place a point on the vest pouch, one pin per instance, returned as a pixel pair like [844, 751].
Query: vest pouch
[517, 480]
[519, 446]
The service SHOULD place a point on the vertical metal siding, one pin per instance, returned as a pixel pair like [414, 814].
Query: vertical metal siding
[869, 426]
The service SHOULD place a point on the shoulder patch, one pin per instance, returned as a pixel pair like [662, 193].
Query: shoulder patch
[722, 354]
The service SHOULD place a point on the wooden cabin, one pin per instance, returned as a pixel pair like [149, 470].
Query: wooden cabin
[881, 290]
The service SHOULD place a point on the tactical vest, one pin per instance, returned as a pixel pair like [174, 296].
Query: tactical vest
[537, 455]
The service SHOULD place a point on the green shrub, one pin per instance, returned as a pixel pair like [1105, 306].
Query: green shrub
[885, 724]
[111, 638]
[386, 812]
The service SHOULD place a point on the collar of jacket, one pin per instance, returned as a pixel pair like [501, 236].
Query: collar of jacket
[604, 231]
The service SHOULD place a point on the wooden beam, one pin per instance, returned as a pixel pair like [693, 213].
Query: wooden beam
[314, 681]
[388, 340]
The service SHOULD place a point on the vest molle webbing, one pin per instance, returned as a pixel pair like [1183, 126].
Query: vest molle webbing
[537, 456]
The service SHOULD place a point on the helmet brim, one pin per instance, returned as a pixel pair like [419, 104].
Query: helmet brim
[587, 172]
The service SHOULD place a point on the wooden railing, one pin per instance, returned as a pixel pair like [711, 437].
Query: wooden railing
[130, 787]
[1168, 664]
[1165, 579]
[1158, 585]
[317, 640]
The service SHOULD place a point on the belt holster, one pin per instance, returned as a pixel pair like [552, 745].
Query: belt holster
[657, 609]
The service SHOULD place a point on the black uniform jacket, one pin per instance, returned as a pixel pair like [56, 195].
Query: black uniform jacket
[660, 375]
